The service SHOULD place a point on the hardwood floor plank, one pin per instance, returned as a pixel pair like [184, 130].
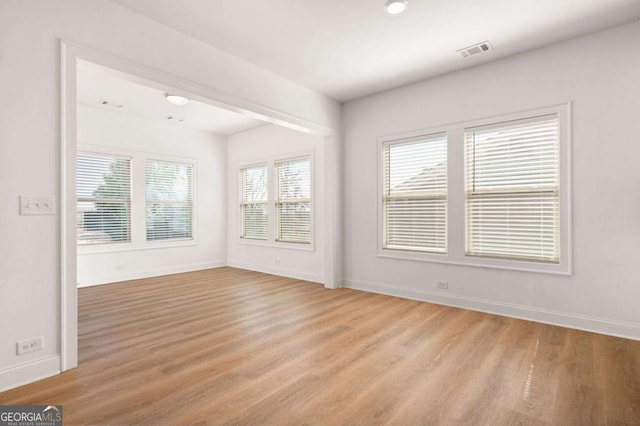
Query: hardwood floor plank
[228, 346]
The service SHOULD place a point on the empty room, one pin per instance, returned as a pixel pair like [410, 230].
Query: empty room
[328, 212]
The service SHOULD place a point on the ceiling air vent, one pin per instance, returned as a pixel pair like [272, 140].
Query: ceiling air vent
[475, 49]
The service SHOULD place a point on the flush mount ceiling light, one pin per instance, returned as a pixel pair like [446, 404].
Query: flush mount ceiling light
[176, 99]
[396, 6]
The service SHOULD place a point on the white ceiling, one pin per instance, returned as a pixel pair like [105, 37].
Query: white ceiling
[129, 95]
[347, 49]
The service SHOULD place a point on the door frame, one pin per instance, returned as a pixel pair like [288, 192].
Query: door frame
[71, 53]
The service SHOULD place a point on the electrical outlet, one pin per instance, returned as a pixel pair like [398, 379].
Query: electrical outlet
[443, 285]
[30, 345]
[277, 261]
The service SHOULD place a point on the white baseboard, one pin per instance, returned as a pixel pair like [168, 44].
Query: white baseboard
[563, 319]
[283, 272]
[156, 272]
[29, 372]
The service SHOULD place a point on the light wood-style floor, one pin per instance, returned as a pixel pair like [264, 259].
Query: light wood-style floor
[227, 346]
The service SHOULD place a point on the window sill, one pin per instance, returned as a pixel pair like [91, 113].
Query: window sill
[512, 265]
[149, 245]
[276, 244]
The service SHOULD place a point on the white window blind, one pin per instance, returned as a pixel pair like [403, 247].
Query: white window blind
[415, 194]
[104, 199]
[293, 203]
[169, 200]
[512, 190]
[253, 204]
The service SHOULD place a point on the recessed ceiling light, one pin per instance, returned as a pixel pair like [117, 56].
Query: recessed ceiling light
[396, 6]
[111, 104]
[176, 99]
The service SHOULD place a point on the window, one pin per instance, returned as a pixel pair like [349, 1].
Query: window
[169, 200]
[293, 203]
[512, 190]
[253, 203]
[104, 199]
[493, 192]
[415, 194]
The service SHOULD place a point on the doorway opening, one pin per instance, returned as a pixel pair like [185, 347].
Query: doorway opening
[150, 188]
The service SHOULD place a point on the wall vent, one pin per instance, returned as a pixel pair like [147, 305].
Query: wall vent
[475, 49]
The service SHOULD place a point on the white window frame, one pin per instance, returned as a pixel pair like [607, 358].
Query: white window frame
[180, 162]
[138, 202]
[242, 203]
[277, 201]
[432, 196]
[456, 201]
[96, 151]
[271, 210]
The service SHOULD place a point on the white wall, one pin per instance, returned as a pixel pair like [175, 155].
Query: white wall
[30, 33]
[600, 75]
[100, 264]
[267, 144]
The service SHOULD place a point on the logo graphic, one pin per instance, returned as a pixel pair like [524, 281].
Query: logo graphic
[30, 415]
[52, 407]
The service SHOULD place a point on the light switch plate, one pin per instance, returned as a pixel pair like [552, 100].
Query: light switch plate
[41, 205]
